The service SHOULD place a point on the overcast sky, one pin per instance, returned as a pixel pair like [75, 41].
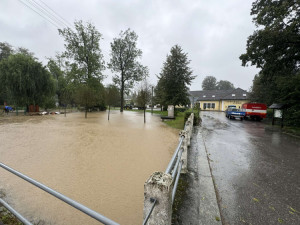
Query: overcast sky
[212, 32]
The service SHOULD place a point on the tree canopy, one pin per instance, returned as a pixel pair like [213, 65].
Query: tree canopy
[274, 48]
[84, 65]
[83, 48]
[112, 95]
[27, 81]
[124, 62]
[209, 83]
[224, 85]
[176, 75]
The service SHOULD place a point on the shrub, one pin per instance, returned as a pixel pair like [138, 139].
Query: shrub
[197, 118]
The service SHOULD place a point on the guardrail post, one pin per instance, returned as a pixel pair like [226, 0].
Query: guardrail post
[184, 152]
[188, 131]
[159, 186]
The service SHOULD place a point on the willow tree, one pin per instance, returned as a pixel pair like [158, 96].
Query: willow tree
[26, 79]
[124, 62]
[86, 62]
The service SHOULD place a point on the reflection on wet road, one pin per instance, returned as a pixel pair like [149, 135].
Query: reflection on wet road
[101, 164]
[256, 172]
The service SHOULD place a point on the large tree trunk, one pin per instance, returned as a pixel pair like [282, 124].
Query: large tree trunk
[122, 97]
[65, 110]
[86, 111]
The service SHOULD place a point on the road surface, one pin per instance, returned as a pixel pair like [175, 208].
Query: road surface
[256, 172]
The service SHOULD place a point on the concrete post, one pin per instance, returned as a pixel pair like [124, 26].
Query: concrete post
[159, 186]
[188, 133]
[170, 110]
[184, 152]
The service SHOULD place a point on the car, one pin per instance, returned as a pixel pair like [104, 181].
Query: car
[128, 107]
[233, 113]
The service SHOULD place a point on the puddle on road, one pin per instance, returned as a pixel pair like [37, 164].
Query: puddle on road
[101, 164]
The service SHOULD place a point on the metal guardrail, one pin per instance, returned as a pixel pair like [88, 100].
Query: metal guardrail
[174, 168]
[172, 161]
[149, 214]
[13, 211]
[82, 208]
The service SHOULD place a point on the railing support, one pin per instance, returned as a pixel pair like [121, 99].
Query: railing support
[13, 211]
[160, 187]
[62, 197]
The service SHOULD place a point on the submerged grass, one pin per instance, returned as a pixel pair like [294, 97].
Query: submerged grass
[7, 218]
[177, 123]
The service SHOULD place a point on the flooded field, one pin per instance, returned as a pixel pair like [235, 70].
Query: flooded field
[99, 163]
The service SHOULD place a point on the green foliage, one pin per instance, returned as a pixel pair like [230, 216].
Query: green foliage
[112, 95]
[83, 49]
[27, 81]
[176, 75]
[124, 62]
[5, 50]
[224, 85]
[83, 61]
[144, 94]
[209, 83]
[274, 48]
[197, 118]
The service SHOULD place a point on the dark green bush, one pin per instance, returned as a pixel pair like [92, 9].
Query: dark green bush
[197, 118]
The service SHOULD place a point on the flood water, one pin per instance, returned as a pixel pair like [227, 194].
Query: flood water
[99, 163]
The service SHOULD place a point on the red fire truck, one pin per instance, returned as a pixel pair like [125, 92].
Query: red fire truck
[254, 111]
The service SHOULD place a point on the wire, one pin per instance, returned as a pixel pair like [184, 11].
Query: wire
[48, 13]
[53, 23]
[67, 22]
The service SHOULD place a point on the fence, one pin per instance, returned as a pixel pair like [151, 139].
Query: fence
[160, 188]
[82, 208]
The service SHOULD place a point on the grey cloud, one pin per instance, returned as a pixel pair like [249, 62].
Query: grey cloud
[213, 33]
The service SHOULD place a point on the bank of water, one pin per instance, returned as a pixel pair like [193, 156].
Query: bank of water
[99, 163]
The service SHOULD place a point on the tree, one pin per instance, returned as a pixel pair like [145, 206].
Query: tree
[176, 75]
[159, 93]
[112, 96]
[85, 63]
[224, 85]
[144, 96]
[274, 48]
[5, 50]
[124, 62]
[27, 80]
[209, 83]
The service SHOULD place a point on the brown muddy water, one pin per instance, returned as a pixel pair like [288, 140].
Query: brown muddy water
[99, 163]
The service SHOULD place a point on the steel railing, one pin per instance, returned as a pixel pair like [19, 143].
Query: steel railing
[13, 211]
[174, 168]
[97, 216]
[153, 200]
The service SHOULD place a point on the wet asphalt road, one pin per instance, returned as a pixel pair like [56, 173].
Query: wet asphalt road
[256, 171]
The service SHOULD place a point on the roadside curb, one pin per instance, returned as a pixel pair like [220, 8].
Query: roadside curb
[208, 208]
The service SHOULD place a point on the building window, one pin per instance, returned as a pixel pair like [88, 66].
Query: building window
[233, 94]
[213, 96]
[208, 105]
[244, 94]
[204, 105]
[213, 105]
